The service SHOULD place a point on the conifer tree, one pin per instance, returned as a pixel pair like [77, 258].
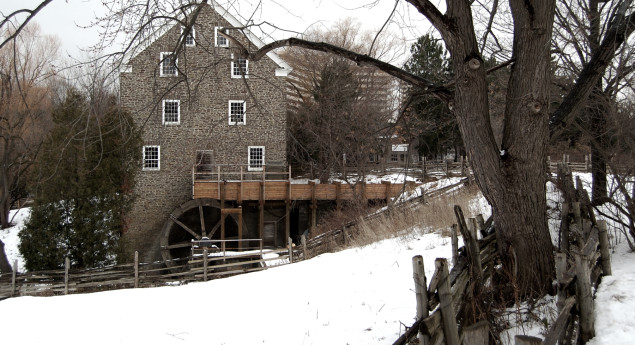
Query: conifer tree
[86, 173]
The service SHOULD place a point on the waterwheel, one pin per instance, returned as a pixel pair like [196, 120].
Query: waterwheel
[194, 220]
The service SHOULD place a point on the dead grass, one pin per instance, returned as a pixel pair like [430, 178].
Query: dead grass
[407, 220]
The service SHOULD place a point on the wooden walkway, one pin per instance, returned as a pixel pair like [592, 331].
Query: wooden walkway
[285, 190]
[275, 184]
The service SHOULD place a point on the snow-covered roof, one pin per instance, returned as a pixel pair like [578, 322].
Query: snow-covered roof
[283, 67]
[400, 148]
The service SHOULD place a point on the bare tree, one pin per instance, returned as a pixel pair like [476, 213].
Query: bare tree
[327, 98]
[512, 176]
[582, 25]
[25, 65]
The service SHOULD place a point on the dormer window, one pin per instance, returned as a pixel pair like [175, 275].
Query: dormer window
[220, 40]
[168, 64]
[240, 68]
[190, 38]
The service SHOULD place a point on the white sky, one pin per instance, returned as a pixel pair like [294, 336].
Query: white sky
[65, 18]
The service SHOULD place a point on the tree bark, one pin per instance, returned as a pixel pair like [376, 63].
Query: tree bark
[512, 178]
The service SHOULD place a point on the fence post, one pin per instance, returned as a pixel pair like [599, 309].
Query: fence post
[303, 239]
[450, 328]
[455, 245]
[13, 276]
[604, 248]
[136, 269]
[476, 334]
[561, 269]
[205, 264]
[421, 293]
[290, 250]
[67, 265]
[585, 297]
[481, 224]
[527, 340]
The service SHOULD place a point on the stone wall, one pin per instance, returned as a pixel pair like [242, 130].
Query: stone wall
[204, 86]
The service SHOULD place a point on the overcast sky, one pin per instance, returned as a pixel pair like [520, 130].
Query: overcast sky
[65, 18]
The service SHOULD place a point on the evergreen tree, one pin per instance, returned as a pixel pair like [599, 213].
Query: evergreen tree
[86, 173]
[434, 125]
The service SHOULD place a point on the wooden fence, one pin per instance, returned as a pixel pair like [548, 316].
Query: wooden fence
[326, 242]
[137, 274]
[583, 257]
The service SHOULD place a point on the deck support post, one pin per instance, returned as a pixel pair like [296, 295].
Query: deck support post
[313, 206]
[287, 213]
[261, 211]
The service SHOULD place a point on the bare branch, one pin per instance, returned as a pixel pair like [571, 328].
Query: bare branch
[31, 14]
[360, 59]
[621, 28]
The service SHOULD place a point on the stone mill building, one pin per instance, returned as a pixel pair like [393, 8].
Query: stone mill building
[214, 144]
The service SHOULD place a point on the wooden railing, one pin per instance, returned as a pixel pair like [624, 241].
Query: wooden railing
[236, 172]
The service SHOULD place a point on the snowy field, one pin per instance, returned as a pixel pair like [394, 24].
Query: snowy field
[357, 296]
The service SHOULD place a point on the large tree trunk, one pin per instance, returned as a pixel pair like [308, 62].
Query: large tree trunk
[513, 178]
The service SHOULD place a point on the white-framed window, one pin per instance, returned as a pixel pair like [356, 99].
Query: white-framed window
[151, 157]
[190, 39]
[220, 40]
[394, 157]
[256, 158]
[237, 112]
[168, 64]
[171, 112]
[240, 67]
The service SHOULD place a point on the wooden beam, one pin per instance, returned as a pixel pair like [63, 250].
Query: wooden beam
[185, 227]
[237, 210]
[200, 213]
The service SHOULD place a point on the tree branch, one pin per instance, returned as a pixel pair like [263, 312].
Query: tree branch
[8, 18]
[438, 90]
[618, 32]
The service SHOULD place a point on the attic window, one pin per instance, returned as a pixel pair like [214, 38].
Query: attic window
[240, 68]
[190, 38]
[220, 40]
[168, 64]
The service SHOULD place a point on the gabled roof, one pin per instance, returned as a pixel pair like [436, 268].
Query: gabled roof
[283, 67]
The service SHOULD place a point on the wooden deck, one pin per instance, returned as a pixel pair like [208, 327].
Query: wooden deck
[285, 190]
[274, 183]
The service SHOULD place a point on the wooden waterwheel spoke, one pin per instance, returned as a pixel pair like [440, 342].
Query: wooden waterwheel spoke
[178, 245]
[185, 227]
[214, 229]
[200, 212]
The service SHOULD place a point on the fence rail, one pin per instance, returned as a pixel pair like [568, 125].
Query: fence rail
[583, 246]
[135, 275]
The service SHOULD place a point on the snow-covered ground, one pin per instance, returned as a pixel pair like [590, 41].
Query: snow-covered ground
[357, 296]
